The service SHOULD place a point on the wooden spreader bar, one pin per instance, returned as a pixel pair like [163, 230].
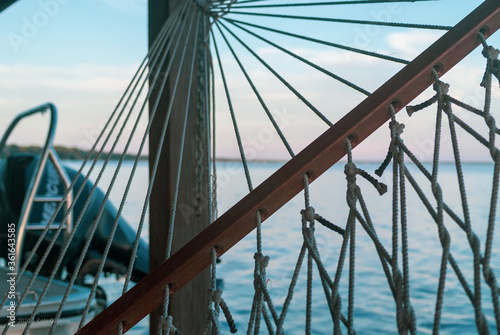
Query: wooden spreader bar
[284, 184]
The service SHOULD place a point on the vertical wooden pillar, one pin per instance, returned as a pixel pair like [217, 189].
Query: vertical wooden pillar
[187, 306]
[6, 3]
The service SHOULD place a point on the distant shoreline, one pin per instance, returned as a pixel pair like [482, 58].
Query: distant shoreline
[75, 154]
[66, 153]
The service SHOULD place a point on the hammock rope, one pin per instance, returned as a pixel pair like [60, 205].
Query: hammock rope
[318, 41]
[233, 118]
[75, 226]
[326, 3]
[396, 268]
[302, 59]
[277, 75]
[335, 20]
[216, 303]
[444, 105]
[489, 275]
[128, 93]
[261, 100]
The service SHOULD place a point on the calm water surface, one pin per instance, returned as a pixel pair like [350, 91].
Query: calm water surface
[374, 305]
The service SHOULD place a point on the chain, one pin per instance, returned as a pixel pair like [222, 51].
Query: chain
[201, 132]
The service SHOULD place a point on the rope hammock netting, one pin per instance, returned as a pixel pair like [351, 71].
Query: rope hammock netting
[196, 43]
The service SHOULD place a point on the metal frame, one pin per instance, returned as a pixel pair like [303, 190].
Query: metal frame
[48, 152]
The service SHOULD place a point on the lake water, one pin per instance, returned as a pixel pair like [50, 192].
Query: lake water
[374, 305]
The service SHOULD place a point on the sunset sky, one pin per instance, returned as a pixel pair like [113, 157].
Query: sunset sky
[80, 55]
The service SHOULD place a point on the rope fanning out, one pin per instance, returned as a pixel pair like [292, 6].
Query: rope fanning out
[302, 59]
[261, 100]
[318, 41]
[363, 22]
[233, 118]
[277, 75]
[325, 3]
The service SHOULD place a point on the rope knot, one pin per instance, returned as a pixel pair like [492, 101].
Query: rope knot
[308, 214]
[350, 170]
[261, 259]
[493, 64]
[215, 296]
[441, 87]
[490, 52]
[397, 127]
[445, 239]
[489, 276]
[167, 325]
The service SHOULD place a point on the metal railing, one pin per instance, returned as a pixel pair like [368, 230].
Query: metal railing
[31, 197]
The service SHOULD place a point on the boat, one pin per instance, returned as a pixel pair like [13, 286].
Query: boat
[70, 318]
[32, 187]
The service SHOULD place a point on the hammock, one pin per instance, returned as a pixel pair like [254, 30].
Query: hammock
[179, 52]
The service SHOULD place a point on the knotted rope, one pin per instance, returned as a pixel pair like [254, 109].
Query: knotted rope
[215, 303]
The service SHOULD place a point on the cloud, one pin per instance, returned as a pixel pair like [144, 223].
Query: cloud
[320, 56]
[28, 82]
[410, 44]
[128, 6]
[335, 99]
[84, 95]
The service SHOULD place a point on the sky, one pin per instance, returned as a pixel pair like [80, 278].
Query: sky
[77, 54]
[80, 55]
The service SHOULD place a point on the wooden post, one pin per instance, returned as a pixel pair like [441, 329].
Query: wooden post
[188, 307]
[6, 3]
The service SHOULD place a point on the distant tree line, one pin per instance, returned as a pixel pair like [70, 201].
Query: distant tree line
[67, 153]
